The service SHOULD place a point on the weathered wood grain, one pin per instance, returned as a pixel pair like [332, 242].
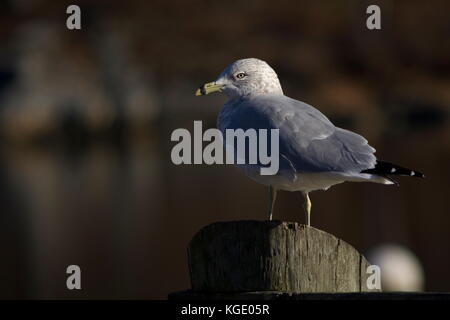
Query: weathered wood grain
[242, 256]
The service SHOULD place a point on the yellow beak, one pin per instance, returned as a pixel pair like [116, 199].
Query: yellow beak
[208, 88]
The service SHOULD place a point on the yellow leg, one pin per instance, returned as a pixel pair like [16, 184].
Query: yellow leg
[272, 198]
[307, 207]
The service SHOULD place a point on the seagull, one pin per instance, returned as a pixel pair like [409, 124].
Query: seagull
[314, 154]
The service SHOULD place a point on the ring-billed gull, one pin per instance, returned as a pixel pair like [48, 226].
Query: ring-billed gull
[313, 153]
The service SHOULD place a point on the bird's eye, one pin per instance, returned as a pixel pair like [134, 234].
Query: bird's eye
[241, 75]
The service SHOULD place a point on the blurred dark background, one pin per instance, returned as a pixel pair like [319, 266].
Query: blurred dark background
[86, 117]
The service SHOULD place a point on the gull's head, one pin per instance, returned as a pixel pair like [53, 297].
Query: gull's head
[245, 77]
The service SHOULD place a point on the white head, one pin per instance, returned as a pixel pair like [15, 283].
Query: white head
[245, 77]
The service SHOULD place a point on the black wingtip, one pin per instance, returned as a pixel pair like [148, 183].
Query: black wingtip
[394, 182]
[417, 174]
[387, 168]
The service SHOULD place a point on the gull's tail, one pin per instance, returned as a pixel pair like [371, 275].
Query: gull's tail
[383, 168]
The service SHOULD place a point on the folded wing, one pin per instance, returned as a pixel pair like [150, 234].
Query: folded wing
[309, 142]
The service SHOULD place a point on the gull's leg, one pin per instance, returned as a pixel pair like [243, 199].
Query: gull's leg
[272, 198]
[307, 206]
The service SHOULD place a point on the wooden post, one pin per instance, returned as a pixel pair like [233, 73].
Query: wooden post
[273, 256]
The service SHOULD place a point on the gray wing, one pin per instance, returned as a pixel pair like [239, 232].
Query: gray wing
[309, 142]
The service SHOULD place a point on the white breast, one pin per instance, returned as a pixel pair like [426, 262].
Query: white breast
[301, 182]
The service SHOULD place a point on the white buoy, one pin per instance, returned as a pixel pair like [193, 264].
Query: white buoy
[401, 270]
